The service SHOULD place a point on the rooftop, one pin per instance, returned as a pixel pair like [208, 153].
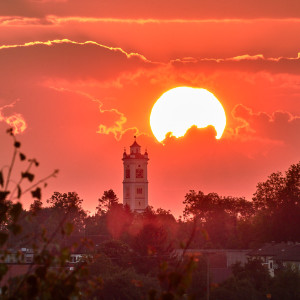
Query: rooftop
[290, 254]
[280, 251]
[135, 144]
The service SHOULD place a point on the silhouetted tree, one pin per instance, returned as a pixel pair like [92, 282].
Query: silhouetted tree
[118, 252]
[286, 284]
[200, 205]
[218, 218]
[277, 201]
[152, 248]
[116, 282]
[278, 190]
[248, 282]
[67, 207]
[48, 277]
[118, 220]
[108, 199]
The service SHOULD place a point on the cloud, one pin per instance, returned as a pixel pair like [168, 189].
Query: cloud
[117, 127]
[278, 126]
[8, 21]
[67, 41]
[244, 63]
[112, 120]
[156, 9]
[69, 88]
[81, 55]
[14, 120]
[216, 38]
[86, 69]
[65, 60]
[205, 135]
[63, 20]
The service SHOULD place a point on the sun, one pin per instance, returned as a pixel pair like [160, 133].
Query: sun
[180, 108]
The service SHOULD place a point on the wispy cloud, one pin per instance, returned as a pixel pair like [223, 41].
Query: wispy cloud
[117, 129]
[67, 41]
[279, 126]
[15, 120]
[58, 20]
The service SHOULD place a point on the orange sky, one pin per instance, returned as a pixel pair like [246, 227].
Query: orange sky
[84, 75]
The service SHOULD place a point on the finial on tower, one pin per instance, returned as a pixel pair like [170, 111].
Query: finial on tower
[134, 138]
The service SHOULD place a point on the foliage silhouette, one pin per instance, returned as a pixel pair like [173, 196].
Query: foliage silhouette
[48, 276]
[126, 255]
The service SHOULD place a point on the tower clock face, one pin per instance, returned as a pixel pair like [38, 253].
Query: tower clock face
[139, 173]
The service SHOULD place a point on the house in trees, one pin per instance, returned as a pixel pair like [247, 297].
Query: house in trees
[277, 255]
[135, 181]
[290, 256]
[13, 256]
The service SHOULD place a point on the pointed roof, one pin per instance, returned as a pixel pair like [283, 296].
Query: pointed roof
[135, 152]
[135, 144]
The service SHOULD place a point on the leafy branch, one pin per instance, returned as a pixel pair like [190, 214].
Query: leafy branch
[24, 175]
[37, 192]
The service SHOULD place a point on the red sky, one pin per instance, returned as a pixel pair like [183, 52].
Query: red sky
[83, 76]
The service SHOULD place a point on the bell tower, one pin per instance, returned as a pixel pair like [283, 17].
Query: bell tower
[135, 182]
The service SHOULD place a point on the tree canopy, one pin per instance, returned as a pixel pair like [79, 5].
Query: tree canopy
[127, 255]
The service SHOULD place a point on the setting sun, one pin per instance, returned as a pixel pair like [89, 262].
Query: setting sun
[175, 130]
[180, 108]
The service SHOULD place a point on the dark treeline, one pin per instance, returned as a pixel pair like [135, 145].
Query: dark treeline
[221, 222]
[129, 249]
[125, 255]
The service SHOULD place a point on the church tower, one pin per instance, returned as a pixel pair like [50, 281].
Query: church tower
[135, 182]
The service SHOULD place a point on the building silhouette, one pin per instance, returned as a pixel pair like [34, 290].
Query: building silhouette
[135, 182]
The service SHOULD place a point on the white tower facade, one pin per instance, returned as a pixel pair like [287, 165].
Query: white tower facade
[135, 182]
